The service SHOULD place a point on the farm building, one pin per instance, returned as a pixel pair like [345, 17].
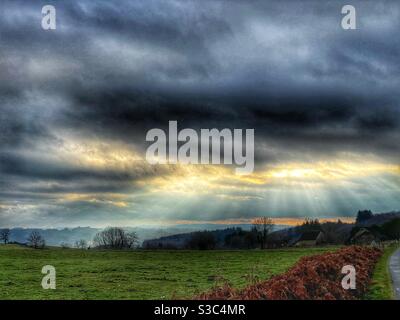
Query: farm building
[365, 237]
[310, 239]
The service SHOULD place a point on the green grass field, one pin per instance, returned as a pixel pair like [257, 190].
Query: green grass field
[381, 283]
[91, 274]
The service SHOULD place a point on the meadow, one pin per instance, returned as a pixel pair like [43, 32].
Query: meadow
[139, 274]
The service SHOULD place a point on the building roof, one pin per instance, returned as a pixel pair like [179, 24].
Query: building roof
[361, 232]
[310, 235]
[366, 231]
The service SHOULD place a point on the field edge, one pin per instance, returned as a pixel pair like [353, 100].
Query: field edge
[381, 287]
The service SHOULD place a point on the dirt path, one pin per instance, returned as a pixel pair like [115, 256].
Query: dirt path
[395, 272]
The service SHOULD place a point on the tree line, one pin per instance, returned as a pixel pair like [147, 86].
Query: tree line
[260, 235]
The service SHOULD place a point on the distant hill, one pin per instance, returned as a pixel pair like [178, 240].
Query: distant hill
[178, 241]
[56, 237]
[378, 218]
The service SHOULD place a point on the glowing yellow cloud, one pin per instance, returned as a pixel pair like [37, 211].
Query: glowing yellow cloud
[325, 171]
[218, 180]
[89, 152]
[196, 179]
[291, 221]
[106, 155]
[109, 198]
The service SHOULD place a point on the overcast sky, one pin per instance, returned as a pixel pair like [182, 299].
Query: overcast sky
[76, 103]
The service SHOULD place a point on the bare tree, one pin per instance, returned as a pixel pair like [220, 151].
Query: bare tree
[65, 245]
[115, 238]
[36, 240]
[81, 244]
[5, 235]
[131, 239]
[263, 226]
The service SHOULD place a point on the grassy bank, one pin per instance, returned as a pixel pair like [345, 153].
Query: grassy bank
[91, 274]
[381, 283]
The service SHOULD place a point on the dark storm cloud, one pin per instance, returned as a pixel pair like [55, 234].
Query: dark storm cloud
[183, 76]
[13, 129]
[347, 83]
[17, 166]
[26, 178]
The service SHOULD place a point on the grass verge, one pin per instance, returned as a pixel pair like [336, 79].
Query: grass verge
[381, 283]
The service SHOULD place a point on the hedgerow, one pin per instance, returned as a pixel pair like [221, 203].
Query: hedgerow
[316, 277]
